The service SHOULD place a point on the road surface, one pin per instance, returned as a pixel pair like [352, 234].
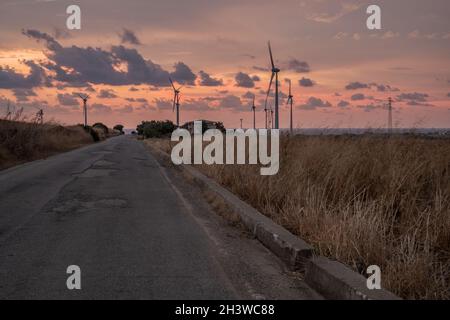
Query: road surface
[135, 229]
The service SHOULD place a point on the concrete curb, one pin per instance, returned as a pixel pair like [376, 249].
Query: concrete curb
[335, 281]
[331, 279]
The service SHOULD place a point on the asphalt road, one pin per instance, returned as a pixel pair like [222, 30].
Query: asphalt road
[135, 229]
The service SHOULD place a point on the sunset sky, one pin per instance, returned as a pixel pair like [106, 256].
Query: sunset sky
[342, 73]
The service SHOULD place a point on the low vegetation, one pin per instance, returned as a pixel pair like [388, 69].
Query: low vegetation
[22, 141]
[155, 129]
[362, 200]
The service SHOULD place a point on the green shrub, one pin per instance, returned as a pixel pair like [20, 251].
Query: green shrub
[155, 129]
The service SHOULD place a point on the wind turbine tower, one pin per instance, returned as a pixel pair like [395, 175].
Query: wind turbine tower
[275, 72]
[290, 101]
[254, 113]
[85, 99]
[176, 101]
[390, 115]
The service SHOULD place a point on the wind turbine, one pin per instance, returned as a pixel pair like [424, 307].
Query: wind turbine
[254, 113]
[275, 71]
[176, 101]
[85, 99]
[290, 100]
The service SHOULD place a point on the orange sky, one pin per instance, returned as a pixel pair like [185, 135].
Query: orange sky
[347, 71]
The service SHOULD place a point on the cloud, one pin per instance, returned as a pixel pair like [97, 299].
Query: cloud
[415, 99]
[100, 108]
[10, 79]
[163, 104]
[329, 17]
[207, 81]
[343, 104]
[231, 102]
[79, 66]
[106, 94]
[314, 103]
[128, 36]
[416, 96]
[370, 107]
[298, 66]
[244, 80]
[357, 97]
[183, 74]
[360, 85]
[67, 99]
[356, 85]
[248, 95]
[126, 109]
[23, 94]
[305, 82]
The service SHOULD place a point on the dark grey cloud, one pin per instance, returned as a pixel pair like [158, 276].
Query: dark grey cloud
[207, 81]
[370, 107]
[106, 94]
[314, 103]
[298, 66]
[10, 79]
[248, 95]
[358, 97]
[97, 66]
[305, 82]
[100, 108]
[163, 104]
[128, 36]
[66, 99]
[379, 87]
[244, 80]
[183, 74]
[343, 104]
[448, 94]
[133, 89]
[415, 99]
[60, 33]
[125, 109]
[356, 85]
[255, 78]
[257, 68]
[415, 96]
[23, 94]
[231, 102]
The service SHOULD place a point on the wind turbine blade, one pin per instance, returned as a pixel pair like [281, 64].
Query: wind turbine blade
[171, 82]
[271, 56]
[290, 85]
[268, 90]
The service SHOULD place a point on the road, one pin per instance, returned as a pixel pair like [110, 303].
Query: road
[135, 229]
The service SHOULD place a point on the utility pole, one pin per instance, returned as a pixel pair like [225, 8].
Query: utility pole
[390, 127]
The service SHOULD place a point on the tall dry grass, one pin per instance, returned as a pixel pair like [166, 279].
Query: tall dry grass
[362, 200]
[22, 141]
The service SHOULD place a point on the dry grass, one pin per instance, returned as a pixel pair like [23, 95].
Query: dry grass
[21, 141]
[362, 201]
